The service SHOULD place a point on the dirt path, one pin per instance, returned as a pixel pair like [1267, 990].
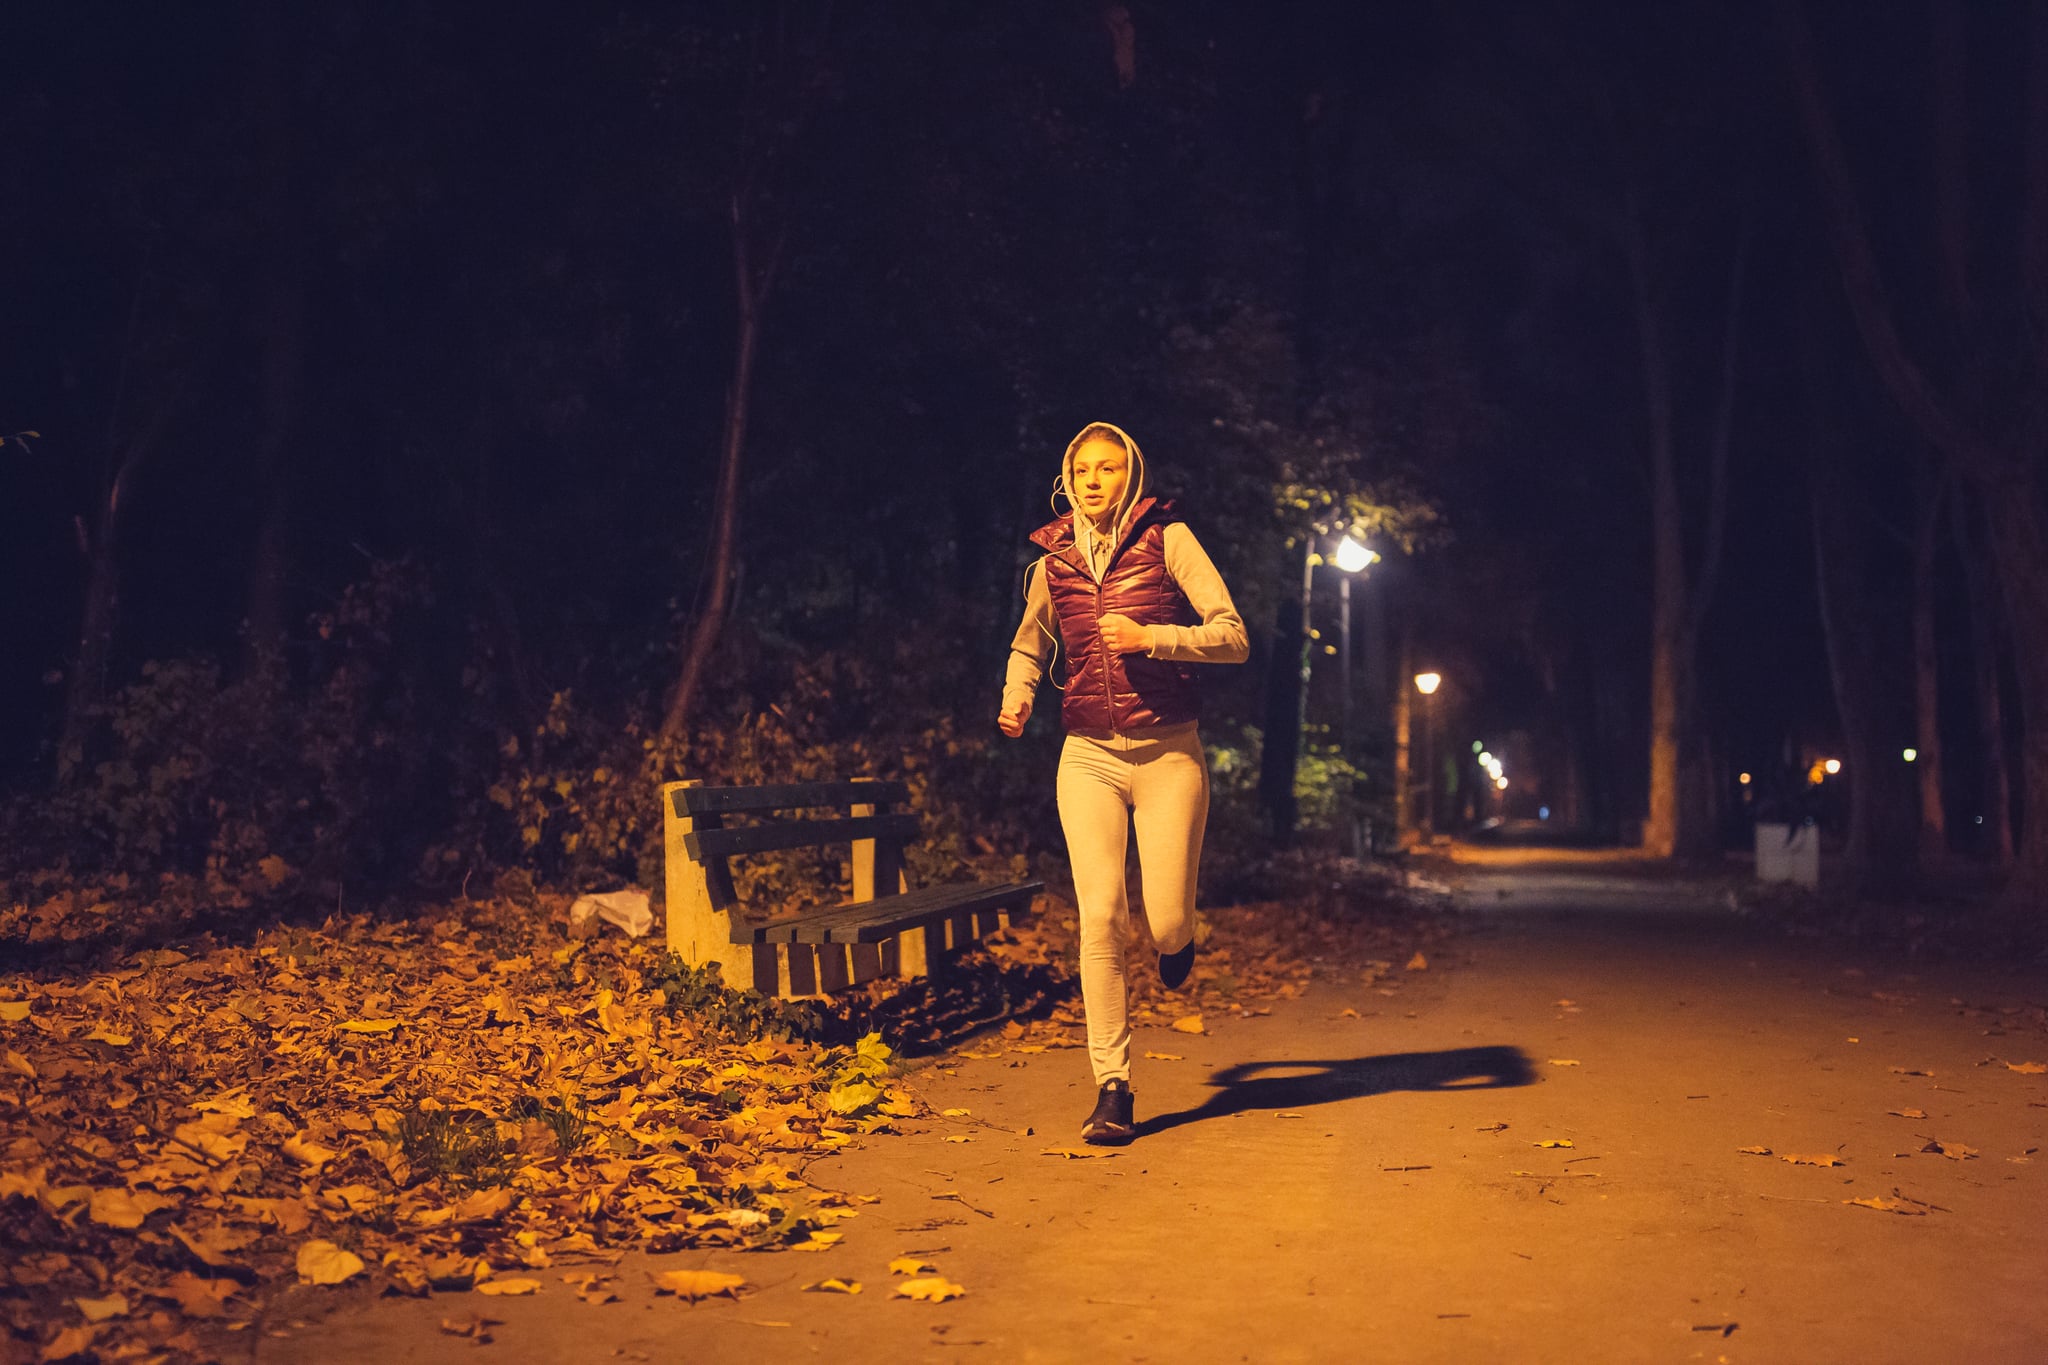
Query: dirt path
[1372, 1188]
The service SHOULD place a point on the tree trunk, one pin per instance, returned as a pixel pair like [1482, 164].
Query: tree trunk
[1667, 565]
[710, 619]
[1286, 687]
[1404, 711]
[280, 333]
[1985, 636]
[95, 637]
[2020, 552]
[1926, 677]
[1880, 846]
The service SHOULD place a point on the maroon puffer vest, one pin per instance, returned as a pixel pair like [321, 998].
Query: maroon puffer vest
[1107, 691]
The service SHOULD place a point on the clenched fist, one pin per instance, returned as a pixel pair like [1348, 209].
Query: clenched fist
[1123, 635]
[1014, 714]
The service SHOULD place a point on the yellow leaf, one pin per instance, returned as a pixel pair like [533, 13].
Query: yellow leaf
[197, 1296]
[211, 1140]
[10, 1060]
[952, 1113]
[1954, 1151]
[1907, 1113]
[2028, 1068]
[1078, 1153]
[308, 1153]
[834, 1285]
[13, 1011]
[119, 1208]
[819, 1241]
[1418, 963]
[1820, 1159]
[510, 1288]
[1564, 1061]
[322, 1262]
[1884, 1205]
[698, 1284]
[1191, 1023]
[1553, 1142]
[909, 1265]
[958, 1137]
[1164, 1057]
[70, 1343]
[102, 1034]
[367, 1025]
[1754, 1151]
[932, 1289]
[854, 1096]
[99, 1310]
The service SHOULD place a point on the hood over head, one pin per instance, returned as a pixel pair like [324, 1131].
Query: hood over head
[1134, 485]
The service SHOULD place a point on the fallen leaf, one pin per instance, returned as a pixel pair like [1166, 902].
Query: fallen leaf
[512, 1288]
[1190, 1023]
[1077, 1153]
[118, 1208]
[933, 1289]
[1954, 1151]
[698, 1284]
[322, 1262]
[1553, 1142]
[1884, 1205]
[835, 1285]
[2028, 1068]
[953, 1113]
[1564, 1061]
[13, 1011]
[957, 1137]
[1754, 1151]
[1907, 1113]
[1164, 1057]
[103, 1034]
[1909, 1071]
[70, 1343]
[197, 1296]
[1418, 963]
[476, 1327]
[99, 1310]
[367, 1025]
[819, 1241]
[1819, 1159]
[909, 1265]
[312, 1155]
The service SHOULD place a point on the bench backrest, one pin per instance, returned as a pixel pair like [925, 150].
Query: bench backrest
[876, 834]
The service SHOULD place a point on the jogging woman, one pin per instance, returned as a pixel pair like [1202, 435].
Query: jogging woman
[1137, 605]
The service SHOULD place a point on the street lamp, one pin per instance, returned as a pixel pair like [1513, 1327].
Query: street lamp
[1427, 684]
[1352, 558]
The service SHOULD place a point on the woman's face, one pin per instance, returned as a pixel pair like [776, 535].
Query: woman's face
[1102, 468]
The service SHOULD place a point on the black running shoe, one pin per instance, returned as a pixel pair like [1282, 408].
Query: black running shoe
[1111, 1125]
[1174, 967]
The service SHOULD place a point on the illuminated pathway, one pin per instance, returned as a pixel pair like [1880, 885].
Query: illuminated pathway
[1372, 1209]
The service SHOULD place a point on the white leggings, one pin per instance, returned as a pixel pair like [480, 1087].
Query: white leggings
[1159, 782]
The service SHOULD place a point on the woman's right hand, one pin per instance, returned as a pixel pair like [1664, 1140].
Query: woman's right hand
[1014, 714]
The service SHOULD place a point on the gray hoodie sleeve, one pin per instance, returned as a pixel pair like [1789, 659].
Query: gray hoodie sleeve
[1220, 639]
[1032, 646]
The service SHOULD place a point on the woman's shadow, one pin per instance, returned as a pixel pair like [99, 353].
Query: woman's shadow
[1243, 1087]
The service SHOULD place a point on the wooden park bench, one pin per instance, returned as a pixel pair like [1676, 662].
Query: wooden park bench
[902, 932]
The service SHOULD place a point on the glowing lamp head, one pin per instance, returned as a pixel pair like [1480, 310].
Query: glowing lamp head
[1352, 556]
[1833, 765]
[1911, 755]
[1501, 782]
[1427, 683]
[1744, 779]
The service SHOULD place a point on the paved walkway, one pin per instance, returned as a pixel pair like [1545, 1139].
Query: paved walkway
[1369, 1177]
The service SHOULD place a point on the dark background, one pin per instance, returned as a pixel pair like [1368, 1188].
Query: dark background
[450, 290]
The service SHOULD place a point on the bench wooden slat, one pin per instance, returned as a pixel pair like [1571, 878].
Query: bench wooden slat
[726, 843]
[787, 796]
[877, 920]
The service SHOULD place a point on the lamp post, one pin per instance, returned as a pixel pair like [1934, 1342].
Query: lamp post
[1427, 684]
[1352, 558]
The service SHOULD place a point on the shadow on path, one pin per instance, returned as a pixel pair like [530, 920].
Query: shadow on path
[1311, 1081]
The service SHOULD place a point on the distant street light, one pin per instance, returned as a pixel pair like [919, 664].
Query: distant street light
[1501, 783]
[1833, 765]
[1427, 684]
[1912, 755]
[1352, 556]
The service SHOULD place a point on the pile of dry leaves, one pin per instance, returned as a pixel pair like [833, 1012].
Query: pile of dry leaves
[450, 1102]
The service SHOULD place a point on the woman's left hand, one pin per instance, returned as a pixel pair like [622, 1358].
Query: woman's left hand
[1125, 636]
